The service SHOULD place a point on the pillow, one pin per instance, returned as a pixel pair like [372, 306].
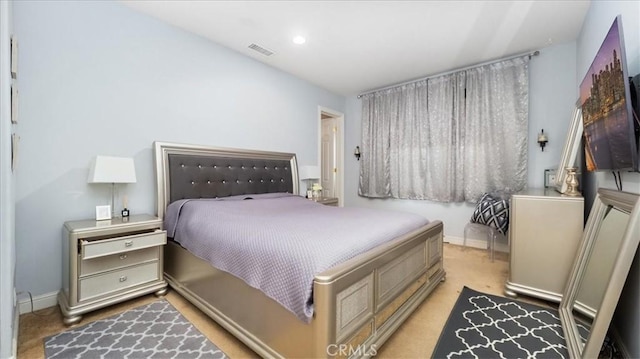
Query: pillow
[493, 212]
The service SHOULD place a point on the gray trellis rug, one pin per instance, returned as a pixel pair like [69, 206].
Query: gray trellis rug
[156, 330]
[487, 326]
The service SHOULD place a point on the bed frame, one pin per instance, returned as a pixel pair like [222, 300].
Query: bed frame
[357, 304]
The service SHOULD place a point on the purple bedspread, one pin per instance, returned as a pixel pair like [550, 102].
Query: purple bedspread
[277, 243]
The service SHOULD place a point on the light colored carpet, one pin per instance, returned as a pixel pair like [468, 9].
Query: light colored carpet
[415, 339]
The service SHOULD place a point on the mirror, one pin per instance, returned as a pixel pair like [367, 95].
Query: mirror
[600, 263]
[570, 149]
[599, 271]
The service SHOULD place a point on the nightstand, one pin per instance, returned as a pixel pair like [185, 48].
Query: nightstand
[106, 262]
[542, 248]
[327, 201]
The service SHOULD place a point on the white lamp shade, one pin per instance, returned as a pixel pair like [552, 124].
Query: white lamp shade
[309, 172]
[106, 169]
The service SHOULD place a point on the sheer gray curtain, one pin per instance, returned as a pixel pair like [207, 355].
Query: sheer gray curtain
[449, 138]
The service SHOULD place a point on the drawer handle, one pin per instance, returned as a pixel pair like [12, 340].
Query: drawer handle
[123, 278]
[128, 243]
[123, 256]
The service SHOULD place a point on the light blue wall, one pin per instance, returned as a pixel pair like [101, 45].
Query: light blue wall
[7, 234]
[100, 78]
[552, 95]
[597, 22]
[552, 99]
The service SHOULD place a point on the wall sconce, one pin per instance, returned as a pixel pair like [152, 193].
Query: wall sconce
[356, 153]
[542, 139]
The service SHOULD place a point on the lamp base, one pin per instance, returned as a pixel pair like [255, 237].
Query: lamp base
[113, 194]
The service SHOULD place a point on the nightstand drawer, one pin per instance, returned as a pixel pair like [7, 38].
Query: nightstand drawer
[105, 247]
[118, 260]
[104, 284]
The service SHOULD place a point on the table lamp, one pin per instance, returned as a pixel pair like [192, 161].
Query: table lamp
[107, 169]
[308, 174]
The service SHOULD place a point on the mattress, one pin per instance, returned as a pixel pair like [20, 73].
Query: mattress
[278, 242]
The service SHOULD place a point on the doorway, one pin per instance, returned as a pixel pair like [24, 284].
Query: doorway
[331, 152]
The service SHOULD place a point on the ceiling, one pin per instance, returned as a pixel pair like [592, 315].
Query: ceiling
[355, 46]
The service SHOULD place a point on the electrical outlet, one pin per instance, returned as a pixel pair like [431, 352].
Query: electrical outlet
[550, 178]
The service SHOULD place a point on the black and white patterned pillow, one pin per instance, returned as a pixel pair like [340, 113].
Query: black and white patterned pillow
[492, 211]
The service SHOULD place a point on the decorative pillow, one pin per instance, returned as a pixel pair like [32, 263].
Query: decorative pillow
[492, 211]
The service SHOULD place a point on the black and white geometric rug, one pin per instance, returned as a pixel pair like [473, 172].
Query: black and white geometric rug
[156, 330]
[487, 326]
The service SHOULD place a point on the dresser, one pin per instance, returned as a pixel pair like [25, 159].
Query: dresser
[106, 262]
[545, 228]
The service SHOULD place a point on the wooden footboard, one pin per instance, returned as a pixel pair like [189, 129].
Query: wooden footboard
[374, 293]
[357, 304]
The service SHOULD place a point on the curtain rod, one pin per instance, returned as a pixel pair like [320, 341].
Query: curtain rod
[530, 54]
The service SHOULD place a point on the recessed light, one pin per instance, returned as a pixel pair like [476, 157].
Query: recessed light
[299, 40]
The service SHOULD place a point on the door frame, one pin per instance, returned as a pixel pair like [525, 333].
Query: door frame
[339, 116]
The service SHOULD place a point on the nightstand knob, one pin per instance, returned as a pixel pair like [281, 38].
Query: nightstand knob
[123, 278]
[123, 256]
[128, 243]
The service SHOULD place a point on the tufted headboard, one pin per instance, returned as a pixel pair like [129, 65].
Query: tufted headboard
[191, 171]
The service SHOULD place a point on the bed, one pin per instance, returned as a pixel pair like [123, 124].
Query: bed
[357, 304]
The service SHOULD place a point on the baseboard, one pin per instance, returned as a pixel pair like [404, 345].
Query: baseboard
[39, 302]
[476, 243]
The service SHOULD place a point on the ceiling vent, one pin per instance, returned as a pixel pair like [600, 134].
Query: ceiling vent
[261, 49]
